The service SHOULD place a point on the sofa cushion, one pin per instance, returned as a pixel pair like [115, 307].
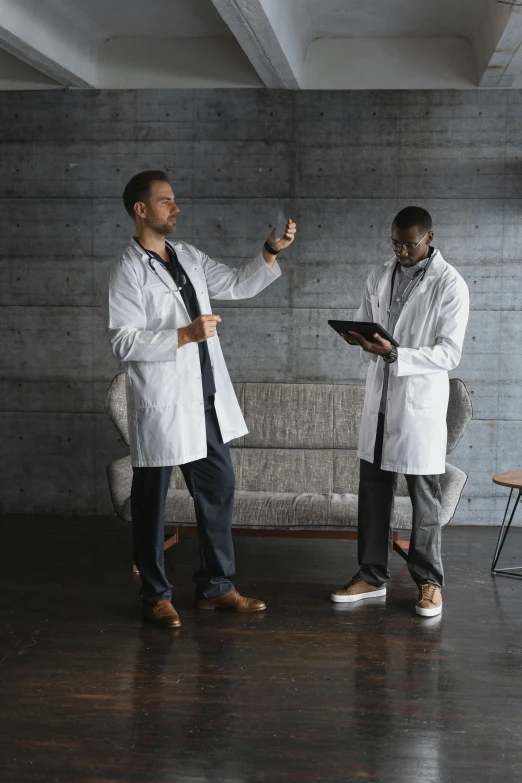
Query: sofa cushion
[347, 411]
[304, 415]
[288, 416]
[295, 471]
[285, 470]
[273, 510]
[304, 510]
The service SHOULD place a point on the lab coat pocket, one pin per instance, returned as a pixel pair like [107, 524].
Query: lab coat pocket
[158, 300]
[152, 384]
[427, 392]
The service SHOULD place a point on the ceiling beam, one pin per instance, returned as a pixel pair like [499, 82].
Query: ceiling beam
[267, 32]
[505, 62]
[54, 37]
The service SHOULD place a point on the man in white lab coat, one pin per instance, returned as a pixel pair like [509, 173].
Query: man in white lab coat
[182, 409]
[423, 303]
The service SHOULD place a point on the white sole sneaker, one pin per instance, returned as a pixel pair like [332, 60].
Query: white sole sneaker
[348, 599]
[428, 612]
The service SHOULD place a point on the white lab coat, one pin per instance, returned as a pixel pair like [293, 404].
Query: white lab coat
[143, 311]
[430, 332]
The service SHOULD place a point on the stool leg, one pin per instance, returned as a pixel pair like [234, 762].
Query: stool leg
[503, 534]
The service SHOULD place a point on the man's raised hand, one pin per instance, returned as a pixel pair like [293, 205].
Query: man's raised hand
[280, 243]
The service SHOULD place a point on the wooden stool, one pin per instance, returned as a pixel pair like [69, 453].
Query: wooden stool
[514, 481]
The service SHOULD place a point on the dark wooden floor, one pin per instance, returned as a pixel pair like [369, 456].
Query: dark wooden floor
[308, 691]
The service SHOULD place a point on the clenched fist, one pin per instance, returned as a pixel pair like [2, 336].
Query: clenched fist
[199, 330]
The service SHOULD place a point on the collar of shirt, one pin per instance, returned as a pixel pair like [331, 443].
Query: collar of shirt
[410, 271]
[156, 255]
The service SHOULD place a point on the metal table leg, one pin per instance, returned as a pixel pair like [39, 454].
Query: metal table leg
[504, 530]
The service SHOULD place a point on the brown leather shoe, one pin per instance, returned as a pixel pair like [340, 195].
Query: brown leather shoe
[231, 602]
[161, 614]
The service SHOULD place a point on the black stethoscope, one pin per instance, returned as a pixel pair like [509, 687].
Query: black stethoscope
[416, 280]
[152, 259]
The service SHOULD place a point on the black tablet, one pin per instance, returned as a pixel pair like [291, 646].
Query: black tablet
[362, 327]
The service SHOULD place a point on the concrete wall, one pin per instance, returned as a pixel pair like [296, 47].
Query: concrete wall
[341, 164]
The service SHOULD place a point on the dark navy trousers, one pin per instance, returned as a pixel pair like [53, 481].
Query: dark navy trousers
[211, 483]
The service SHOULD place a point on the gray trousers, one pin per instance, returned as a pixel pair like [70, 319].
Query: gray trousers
[375, 530]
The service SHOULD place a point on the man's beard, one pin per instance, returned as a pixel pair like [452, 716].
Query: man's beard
[161, 227]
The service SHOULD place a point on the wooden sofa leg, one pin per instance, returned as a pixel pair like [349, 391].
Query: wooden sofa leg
[173, 539]
[402, 548]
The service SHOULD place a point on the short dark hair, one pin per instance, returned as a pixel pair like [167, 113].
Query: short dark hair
[413, 216]
[138, 188]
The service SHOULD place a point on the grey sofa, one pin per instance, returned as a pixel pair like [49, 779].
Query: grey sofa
[297, 469]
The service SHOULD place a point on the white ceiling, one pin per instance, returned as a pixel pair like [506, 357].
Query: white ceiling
[287, 44]
[390, 18]
[158, 18]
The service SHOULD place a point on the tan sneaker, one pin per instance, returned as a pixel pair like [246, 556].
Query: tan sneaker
[430, 600]
[356, 590]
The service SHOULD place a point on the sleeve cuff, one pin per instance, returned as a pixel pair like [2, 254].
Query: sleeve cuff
[274, 271]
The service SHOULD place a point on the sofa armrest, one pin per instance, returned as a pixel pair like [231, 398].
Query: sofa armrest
[119, 475]
[452, 483]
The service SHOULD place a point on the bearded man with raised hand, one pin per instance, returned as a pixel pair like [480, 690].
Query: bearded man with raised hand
[182, 409]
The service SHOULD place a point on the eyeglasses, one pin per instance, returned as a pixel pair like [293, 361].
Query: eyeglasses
[409, 247]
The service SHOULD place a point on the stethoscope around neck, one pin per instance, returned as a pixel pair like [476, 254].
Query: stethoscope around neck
[177, 288]
[415, 281]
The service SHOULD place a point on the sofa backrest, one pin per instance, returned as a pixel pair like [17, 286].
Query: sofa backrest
[300, 415]
[302, 437]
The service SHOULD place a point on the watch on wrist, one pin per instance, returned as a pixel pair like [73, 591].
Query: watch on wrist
[270, 250]
[392, 356]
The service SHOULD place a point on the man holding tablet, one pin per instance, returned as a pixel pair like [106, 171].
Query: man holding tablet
[422, 303]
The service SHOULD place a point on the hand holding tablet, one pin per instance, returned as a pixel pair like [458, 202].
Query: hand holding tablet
[365, 329]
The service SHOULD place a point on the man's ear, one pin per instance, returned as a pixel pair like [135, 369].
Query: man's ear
[139, 209]
[430, 237]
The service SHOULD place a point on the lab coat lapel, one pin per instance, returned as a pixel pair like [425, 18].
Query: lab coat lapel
[420, 290]
[431, 274]
[167, 279]
[190, 271]
[158, 269]
[383, 286]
